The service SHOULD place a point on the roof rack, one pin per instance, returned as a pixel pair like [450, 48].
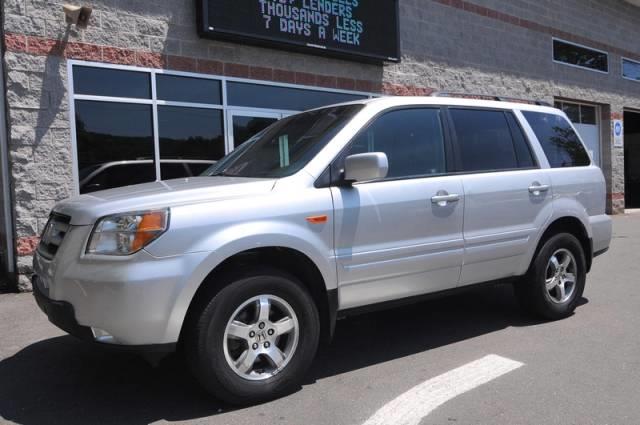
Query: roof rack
[490, 97]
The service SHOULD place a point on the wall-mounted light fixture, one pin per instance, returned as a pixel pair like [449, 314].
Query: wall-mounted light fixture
[77, 15]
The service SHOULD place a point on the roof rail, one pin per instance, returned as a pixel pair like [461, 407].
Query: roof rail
[490, 97]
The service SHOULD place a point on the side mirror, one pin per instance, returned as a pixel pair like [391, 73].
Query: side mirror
[365, 166]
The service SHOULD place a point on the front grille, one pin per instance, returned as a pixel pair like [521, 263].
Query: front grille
[53, 234]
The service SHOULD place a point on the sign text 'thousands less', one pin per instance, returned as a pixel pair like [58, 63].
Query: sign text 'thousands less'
[364, 29]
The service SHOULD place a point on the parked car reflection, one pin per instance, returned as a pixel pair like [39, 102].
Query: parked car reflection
[124, 173]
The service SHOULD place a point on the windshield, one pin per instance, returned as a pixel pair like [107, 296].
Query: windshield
[286, 146]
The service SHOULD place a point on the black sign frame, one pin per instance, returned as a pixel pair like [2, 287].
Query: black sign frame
[205, 30]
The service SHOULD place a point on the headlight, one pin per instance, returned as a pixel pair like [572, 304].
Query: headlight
[124, 234]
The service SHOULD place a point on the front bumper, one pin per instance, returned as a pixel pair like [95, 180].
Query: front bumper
[60, 313]
[126, 301]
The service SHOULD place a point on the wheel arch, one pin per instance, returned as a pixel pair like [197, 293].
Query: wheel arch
[289, 260]
[572, 225]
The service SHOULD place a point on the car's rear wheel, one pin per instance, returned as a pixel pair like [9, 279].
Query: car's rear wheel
[255, 339]
[555, 281]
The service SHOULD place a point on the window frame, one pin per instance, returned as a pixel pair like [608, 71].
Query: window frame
[327, 179]
[155, 102]
[457, 148]
[582, 46]
[622, 60]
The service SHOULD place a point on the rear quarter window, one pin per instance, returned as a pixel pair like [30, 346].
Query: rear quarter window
[559, 141]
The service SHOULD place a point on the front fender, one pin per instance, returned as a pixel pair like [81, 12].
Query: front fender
[233, 240]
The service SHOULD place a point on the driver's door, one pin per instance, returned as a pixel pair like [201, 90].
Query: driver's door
[400, 236]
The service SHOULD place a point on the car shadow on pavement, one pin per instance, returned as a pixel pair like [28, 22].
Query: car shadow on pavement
[62, 380]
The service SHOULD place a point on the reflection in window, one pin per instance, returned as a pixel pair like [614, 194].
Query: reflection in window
[109, 132]
[580, 56]
[245, 127]
[111, 82]
[631, 69]
[578, 113]
[285, 98]
[117, 174]
[188, 89]
[485, 140]
[287, 146]
[560, 143]
[190, 133]
[412, 139]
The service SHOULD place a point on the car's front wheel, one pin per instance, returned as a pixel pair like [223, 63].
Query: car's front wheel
[555, 281]
[255, 339]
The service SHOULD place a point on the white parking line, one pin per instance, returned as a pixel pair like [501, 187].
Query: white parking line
[410, 407]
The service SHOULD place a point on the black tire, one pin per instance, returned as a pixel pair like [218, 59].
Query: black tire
[531, 291]
[205, 340]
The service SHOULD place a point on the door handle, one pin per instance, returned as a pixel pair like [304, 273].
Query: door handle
[443, 200]
[537, 189]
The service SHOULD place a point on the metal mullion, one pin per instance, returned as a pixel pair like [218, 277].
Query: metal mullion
[228, 129]
[72, 128]
[188, 104]
[113, 99]
[156, 136]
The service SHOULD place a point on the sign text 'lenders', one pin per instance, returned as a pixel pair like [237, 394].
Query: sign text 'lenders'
[317, 19]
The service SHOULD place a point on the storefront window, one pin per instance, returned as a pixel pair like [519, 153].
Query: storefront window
[189, 133]
[631, 69]
[287, 98]
[189, 89]
[111, 82]
[125, 115]
[583, 57]
[104, 145]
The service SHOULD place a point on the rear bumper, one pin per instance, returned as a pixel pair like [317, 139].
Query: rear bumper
[601, 233]
[62, 315]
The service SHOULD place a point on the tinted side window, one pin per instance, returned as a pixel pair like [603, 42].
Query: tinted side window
[484, 139]
[559, 142]
[523, 150]
[412, 139]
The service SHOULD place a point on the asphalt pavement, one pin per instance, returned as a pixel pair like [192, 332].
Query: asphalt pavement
[581, 370]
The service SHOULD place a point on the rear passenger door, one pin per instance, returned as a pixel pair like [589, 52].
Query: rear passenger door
[507, 195]
[402, 235]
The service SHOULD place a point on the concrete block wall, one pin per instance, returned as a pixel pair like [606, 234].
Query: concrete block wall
[482, 46]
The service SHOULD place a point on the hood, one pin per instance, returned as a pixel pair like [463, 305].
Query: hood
[86, 209]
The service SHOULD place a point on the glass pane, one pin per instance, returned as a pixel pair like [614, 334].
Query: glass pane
[484, 140]
[111, 82]
[631, 69]
[120, 174]
[189, 134]
[412, 139]
[580, 56]
[573, 111]
[588, 114]
[178, 168]
[287, 146]
[523, 150]
[559, 142]
[287, 98]
[188, 89]
[108, 133]
[245, 127]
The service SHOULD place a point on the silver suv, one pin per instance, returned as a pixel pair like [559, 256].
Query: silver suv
[321, 215]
